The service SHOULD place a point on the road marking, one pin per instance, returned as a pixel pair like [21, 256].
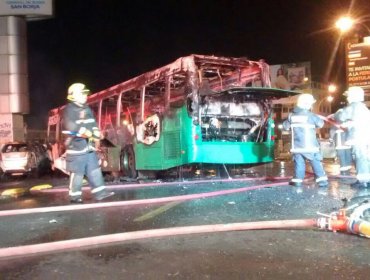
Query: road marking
[41, 187]
[16, 192]
[156, 212]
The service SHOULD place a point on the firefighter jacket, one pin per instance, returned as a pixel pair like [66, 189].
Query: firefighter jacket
[355, 117]
[303, 123]
[75, 120]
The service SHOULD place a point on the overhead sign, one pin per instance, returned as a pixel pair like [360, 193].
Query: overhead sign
[26, 7]
[358, 64]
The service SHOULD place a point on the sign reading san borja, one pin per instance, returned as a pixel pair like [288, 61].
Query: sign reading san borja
[26, 7]
[358, 64]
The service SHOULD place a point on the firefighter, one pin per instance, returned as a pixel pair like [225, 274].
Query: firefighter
[339, 136]
[303, 123]
[355, 117]
[81, 157]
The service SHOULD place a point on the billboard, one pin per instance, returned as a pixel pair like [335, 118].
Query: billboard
[358, 64]
[291, 76]
[26, 7]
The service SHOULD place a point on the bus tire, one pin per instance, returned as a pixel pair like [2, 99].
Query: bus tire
[128, 163]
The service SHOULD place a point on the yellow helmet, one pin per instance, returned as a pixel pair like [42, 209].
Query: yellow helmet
[76, 88]
[355, 94]
[305, 101]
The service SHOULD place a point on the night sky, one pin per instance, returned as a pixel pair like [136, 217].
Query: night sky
[105, 42]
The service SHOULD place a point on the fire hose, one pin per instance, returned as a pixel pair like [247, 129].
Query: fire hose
[331, 121]
[336, 222]
[340, 222]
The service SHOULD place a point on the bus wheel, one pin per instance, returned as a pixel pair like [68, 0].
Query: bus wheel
[128, 162]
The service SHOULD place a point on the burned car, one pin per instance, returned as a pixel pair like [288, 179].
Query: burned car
[20, 158]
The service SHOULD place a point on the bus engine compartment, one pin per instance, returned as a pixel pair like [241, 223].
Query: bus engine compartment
[236, 119]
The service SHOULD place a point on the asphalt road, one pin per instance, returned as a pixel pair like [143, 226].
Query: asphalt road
[293, 253]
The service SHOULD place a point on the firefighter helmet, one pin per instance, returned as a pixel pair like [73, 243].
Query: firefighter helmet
[76, 90]
[305, 101]
[355, 94]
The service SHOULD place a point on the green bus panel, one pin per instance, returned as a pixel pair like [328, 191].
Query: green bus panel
[180, 143]
[231, 153]
[166, 152]
[161, 155]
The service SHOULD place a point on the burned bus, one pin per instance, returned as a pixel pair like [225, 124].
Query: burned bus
[197, 110]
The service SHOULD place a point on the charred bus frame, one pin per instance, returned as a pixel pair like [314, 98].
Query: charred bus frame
[198, 109]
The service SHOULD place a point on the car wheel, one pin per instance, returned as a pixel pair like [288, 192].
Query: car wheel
[3, 176]
[33, 173]
[44, 167]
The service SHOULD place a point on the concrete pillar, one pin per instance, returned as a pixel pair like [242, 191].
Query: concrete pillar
[14, 96]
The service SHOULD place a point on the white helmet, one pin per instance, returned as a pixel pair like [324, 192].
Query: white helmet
[305, 101]
[355, 94]
[77, 92]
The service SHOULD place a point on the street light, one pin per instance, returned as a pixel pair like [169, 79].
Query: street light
[332, 88]
[329, 99]
[344, 24]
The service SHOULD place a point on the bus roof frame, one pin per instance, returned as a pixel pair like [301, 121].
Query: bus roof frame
[182, 64]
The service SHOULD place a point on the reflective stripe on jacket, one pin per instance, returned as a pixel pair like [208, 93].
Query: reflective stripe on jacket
[340, 139]
[302, 124]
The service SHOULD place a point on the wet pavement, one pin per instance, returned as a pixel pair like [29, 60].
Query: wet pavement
[305, 253]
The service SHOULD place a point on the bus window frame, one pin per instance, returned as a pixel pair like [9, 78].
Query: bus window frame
[119, 108]
[142, 104]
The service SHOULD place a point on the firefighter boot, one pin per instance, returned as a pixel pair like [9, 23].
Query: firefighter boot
[77, 199]
[323, 184]
[295, 184]
[103, 195]
[359, 184]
